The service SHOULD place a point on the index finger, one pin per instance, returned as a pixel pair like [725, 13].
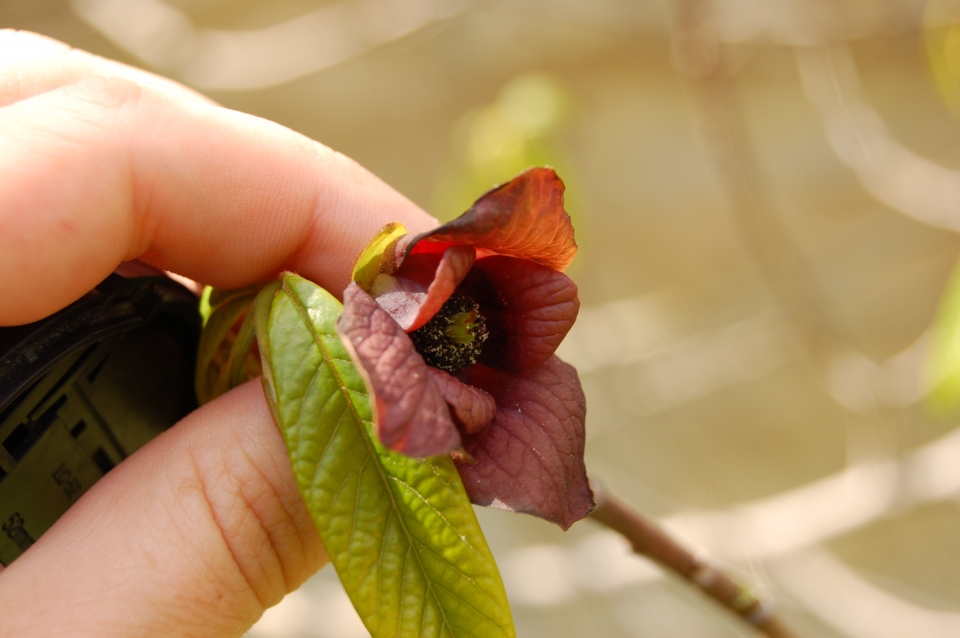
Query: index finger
[105, 169]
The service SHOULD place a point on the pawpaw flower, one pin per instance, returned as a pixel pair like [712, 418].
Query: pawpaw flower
[455, 330]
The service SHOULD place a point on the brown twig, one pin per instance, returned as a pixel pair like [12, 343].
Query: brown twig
[650, 541]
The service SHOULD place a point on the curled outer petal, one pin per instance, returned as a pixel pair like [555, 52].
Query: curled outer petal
[522, 218]
[530, 459]
[412, 416]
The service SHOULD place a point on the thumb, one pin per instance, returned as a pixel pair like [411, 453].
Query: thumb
[194, 535]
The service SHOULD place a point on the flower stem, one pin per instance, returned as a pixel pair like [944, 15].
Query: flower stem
[652, 542]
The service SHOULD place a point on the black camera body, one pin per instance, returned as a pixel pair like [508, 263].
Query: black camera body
[83, 389]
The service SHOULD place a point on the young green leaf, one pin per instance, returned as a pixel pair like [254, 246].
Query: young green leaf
[400, 531]
[222, 351]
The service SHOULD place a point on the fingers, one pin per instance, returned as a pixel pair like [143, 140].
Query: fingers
[203, 528]
[31, 64]
[194, 535]
[103, 165]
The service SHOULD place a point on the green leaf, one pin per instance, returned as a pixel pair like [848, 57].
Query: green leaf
[400, 531]
[223, 350]
[205, 308]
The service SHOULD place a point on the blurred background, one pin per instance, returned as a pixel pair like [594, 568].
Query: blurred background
[767, 200]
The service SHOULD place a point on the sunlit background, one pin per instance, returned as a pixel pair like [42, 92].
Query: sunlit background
[767, 199]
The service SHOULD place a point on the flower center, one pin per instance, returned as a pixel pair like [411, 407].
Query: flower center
[454, 337]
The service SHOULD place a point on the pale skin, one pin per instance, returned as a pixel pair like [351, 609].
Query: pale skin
[202, 529]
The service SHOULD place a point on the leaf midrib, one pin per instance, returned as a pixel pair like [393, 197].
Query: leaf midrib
[328, 359]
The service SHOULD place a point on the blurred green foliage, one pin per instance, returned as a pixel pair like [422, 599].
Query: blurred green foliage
[943, 363]
[942, 375]
[942, 38]
[495, 142]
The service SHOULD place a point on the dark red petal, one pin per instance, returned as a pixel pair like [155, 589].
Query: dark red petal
[420, 287]
[522, 218]
[529, 310]
[473, 409]
[412, 416]
[530, 459]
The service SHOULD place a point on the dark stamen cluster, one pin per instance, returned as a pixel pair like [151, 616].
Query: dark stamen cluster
[454, 337]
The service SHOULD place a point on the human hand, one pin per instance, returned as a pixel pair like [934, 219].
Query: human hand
[203, 528]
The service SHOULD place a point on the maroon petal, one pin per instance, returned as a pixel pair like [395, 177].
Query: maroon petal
[529, 310]
[422, 284]
[412, 416]
[530, 459]
[473, 409]
[522, 218]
